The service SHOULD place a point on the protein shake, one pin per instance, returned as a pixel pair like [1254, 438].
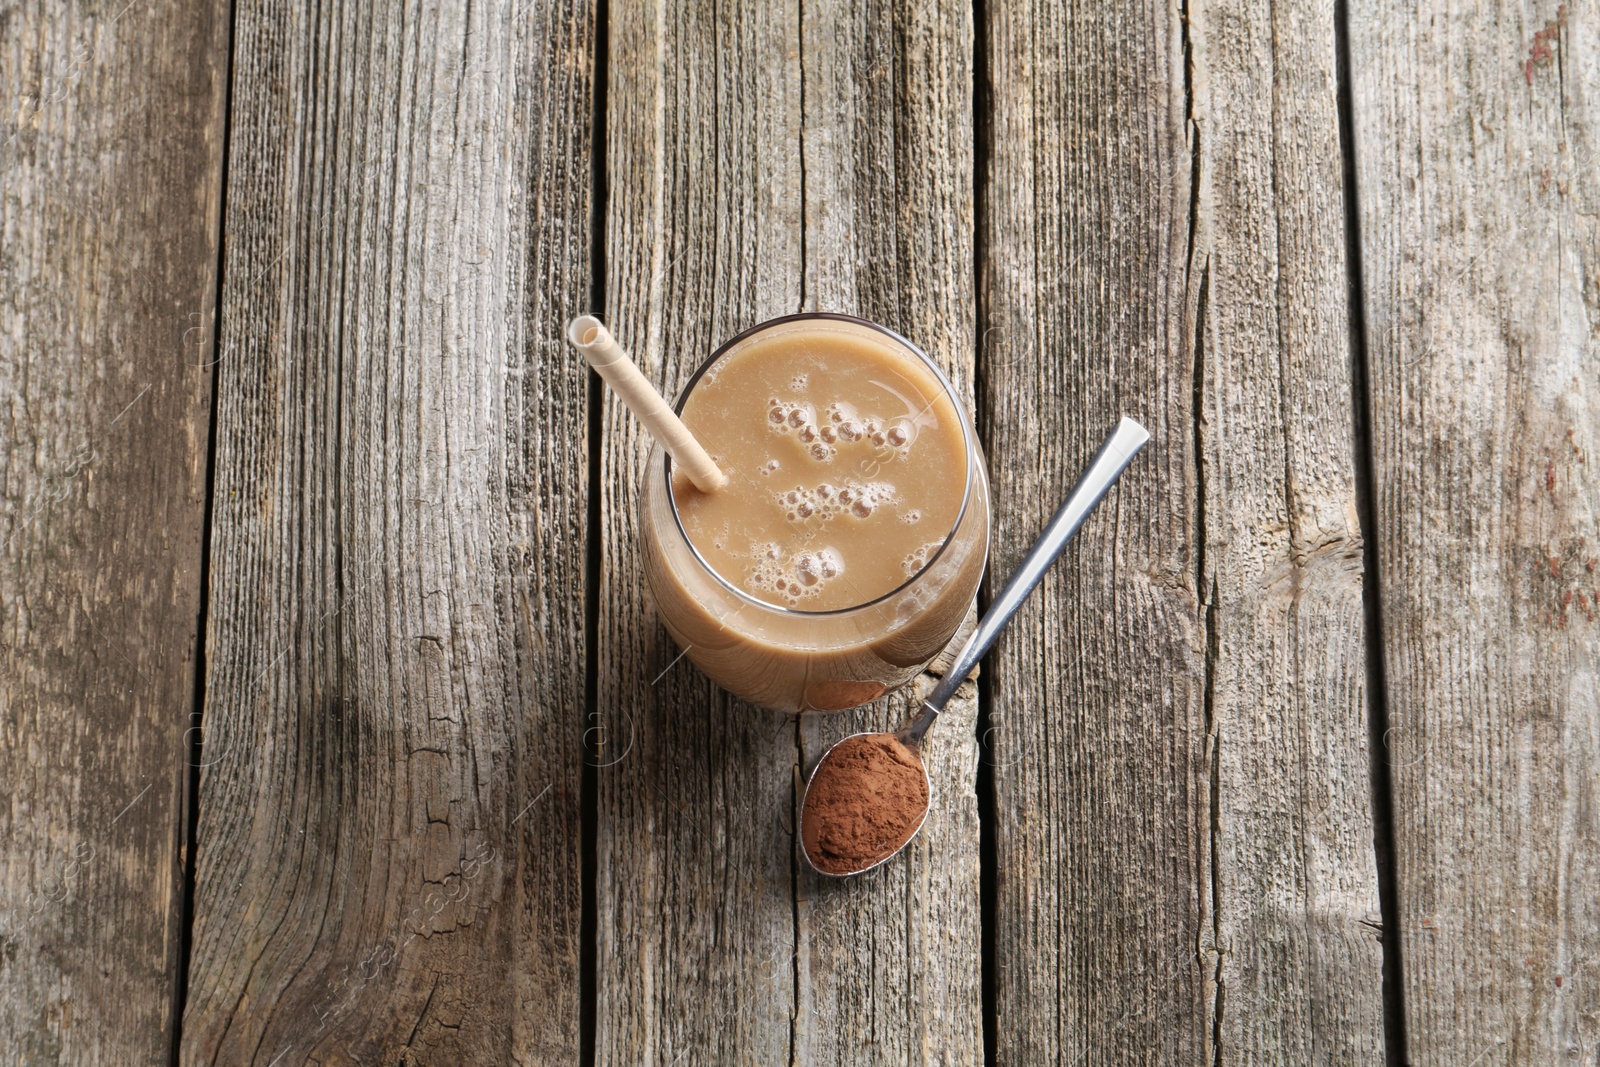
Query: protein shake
[850, 538]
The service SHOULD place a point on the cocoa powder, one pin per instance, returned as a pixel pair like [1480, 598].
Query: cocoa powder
[865, 800]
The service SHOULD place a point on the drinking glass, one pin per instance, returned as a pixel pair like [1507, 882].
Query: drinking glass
[795, 660]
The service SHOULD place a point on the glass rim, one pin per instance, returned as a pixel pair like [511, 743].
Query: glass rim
[949, 392]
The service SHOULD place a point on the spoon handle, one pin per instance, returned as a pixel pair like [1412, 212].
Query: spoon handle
[1104, 470]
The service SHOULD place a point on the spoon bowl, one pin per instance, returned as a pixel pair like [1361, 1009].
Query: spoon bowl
[916, 827]
[1102, 473]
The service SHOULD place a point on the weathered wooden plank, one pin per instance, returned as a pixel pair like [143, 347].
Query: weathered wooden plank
[1100, 785]
[890, 964]
[1295, 896]
[697, 872]
[388, 857]
[1182, 822]
[110, 179]
[694, 877]
[1476, 143]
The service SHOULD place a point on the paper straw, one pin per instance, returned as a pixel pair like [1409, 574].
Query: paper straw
[590, 336]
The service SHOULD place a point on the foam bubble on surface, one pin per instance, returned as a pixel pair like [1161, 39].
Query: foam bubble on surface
[824, 502]
[841, 425]
[795, 576]
[800, 419]
[918, 559]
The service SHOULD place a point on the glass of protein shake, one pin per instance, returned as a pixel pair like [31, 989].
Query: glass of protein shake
[850, 538]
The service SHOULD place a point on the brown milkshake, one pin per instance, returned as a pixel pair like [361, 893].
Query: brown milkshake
[849, 540]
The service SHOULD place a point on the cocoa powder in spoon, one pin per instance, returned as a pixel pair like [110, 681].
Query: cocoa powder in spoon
[866, 798]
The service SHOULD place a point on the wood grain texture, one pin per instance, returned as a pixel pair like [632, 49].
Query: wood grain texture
[694, 875]
[1181, 786]
[388, 864]
[1295, 893]
[714, 944]
[1098, 740]
[110, 180]
[1477, 145]
[890, 964]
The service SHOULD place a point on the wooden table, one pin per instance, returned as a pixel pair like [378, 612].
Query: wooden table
[334, 727]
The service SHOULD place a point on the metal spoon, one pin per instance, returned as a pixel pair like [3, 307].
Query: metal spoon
[1103, 471]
